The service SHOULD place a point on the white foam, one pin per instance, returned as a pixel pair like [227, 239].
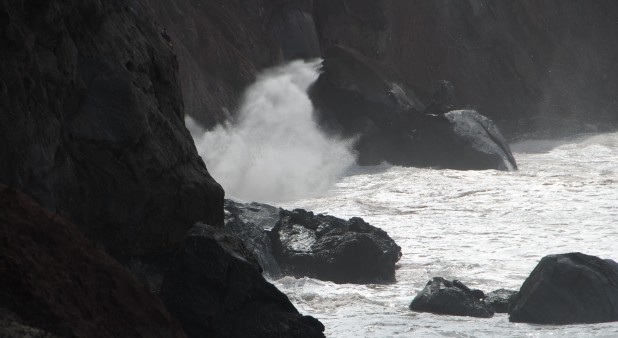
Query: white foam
[275, 150]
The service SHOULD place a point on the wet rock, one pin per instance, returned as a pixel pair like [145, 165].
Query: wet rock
[330, 248]
[250, 223]
[499, 300]
[215, 288]
[568, 289]
[55, 283]
[463, 139]
[441, 296]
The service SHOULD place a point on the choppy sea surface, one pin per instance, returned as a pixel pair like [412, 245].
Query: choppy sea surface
[486, 228]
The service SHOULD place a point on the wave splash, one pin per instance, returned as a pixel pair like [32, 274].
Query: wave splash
[275, 151]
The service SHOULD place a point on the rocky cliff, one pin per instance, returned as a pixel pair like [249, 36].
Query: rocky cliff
[531, 66]
[91, 123]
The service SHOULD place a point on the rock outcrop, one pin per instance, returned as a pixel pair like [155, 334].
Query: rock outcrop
[568, 289]
[251, 223]
[527, 65]
[329, 248]
[215, 288]
[441, 296]
[358, 98]
[91, 123]
[462, 139]
[55, 283]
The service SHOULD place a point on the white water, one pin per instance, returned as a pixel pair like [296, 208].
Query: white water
[485, 228]
[274, 150]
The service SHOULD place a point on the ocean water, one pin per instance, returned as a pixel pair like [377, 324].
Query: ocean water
[486, 228]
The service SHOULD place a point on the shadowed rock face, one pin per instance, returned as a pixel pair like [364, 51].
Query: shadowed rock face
[544, 65]
[329, 248]
[53, 282]
[568, 289]
[215, 288]
[91, 123]
[222, 44]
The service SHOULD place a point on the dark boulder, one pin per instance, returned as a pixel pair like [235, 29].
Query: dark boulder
[568, 289]
[215, 288]
[55, 283]
[250, 223]
[441, 296]
[499, 300]
[463, 139]
[329, 248]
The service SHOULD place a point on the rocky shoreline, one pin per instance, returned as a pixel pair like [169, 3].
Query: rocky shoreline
[111, 225]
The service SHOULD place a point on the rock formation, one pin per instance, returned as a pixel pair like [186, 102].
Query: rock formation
[91, 124]
[441, 296]
[54, 282]
[568, 289]
[329, 248]
[215, 288]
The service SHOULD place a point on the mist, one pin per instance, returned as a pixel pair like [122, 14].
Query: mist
[274, 150]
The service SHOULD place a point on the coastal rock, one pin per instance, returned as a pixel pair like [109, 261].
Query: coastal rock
[568, 289]
[359, 98]
[463, 139]
[91, 124]
[55, 283]
[500, 299]
[250, 223]
[329, 248]
[356, 97]
[215, 288]
[530, 66]
[441, 296]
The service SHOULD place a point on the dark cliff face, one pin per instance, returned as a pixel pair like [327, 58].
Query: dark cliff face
[53, 279]
[91, 123]
[222, 44]
[529, 65]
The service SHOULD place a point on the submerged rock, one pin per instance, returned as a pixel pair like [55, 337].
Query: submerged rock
[441, 296]
[55, 283]
[215, 288]
[329, 248]
[568, 289]
[250, 223]
[499, 299]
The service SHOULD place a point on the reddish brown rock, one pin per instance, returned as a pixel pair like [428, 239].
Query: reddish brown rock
[53, 279]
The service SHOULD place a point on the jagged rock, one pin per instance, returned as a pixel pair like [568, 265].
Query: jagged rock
[441, 296]
[330, 248]
[499, 300]
[53, 282]
[216, 289]
[568, 289]
[463, 139]
[250, 222]
[91, 124]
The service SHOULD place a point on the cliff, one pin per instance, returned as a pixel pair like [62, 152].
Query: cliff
[91, 124]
